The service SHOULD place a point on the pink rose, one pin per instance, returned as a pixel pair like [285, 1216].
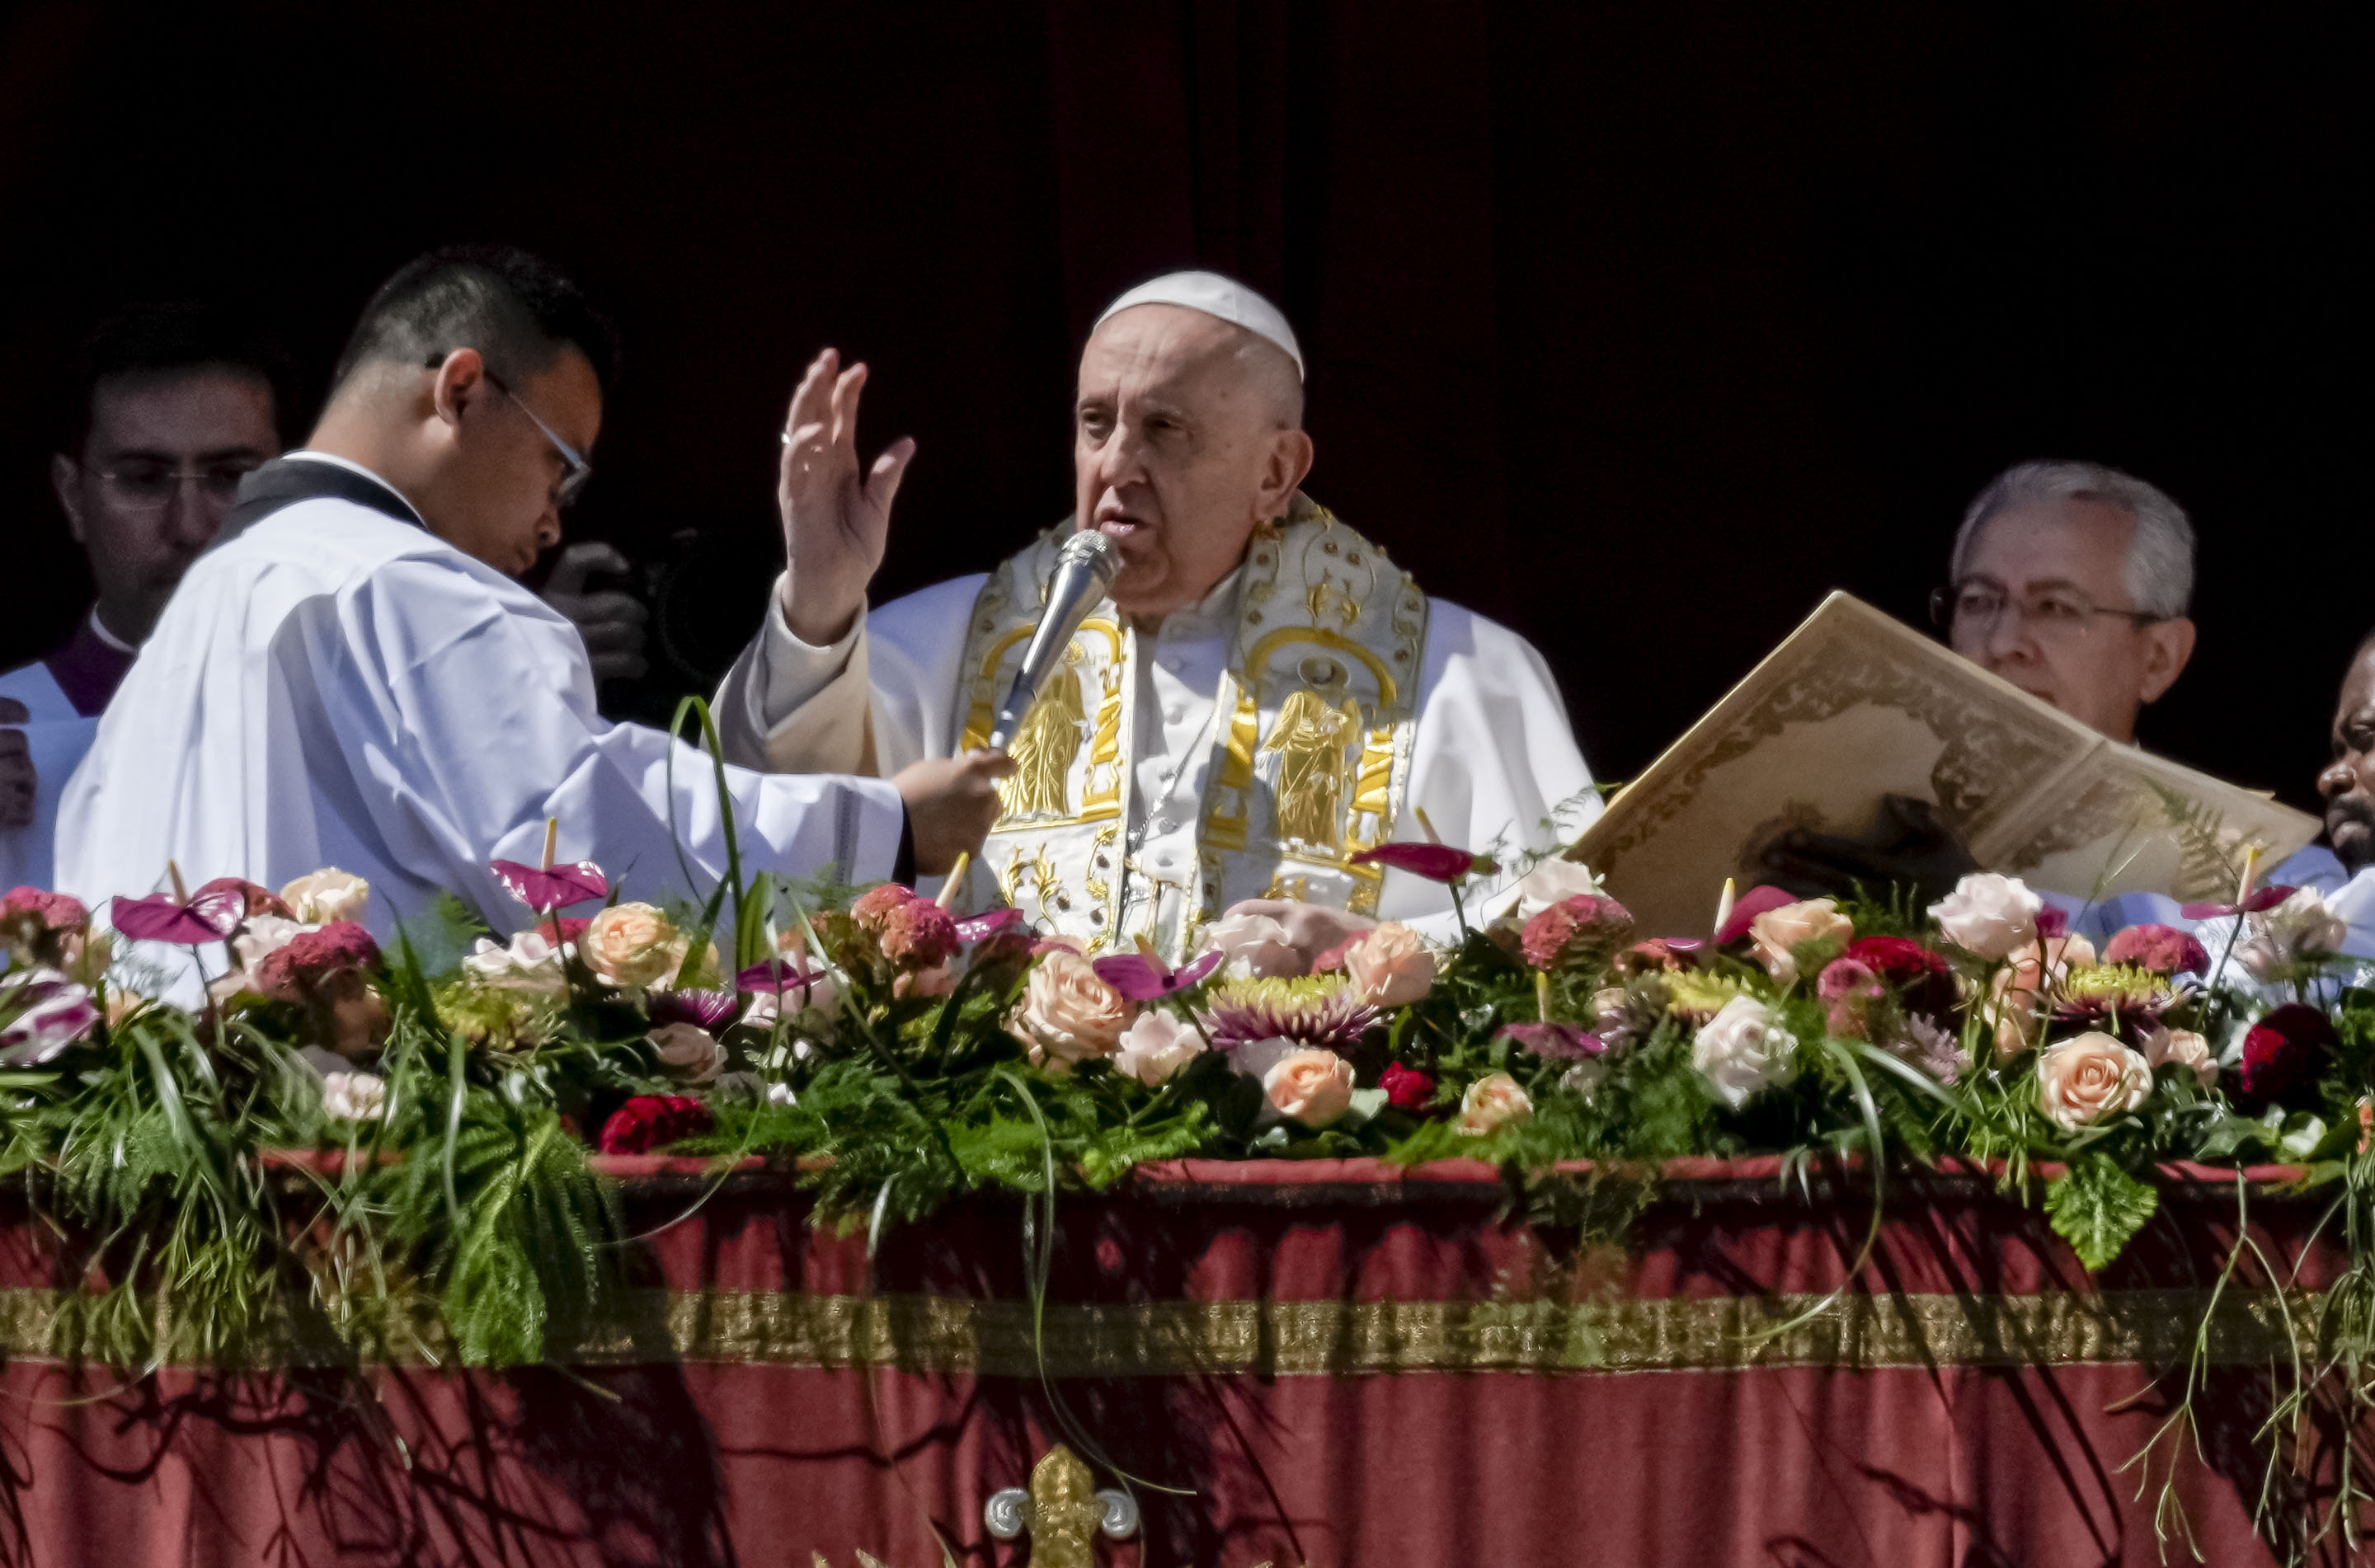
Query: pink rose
[1157, 1046]
[1493, 1100]
[687, 1051]
[1777, 934]
[2084, 1079]
[2182, 1048]
[1988, 916]
[633, 944]
[1310, 1086]
[1067, 1014]
[1389, 965]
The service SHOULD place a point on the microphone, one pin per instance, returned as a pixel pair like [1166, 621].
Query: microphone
[1084, 570]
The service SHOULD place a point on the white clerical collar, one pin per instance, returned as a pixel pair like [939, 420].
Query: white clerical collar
[99, 629]
[307, 454]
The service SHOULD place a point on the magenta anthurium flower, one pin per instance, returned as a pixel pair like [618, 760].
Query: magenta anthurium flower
[56, 1014]
[1557, 1042]
[778, 975]
[1143, 977]
[209, 915]
[1435, 862]
[558, 888]
[1756, 901]
[713, 1011]
[990, 923]
[2265, 898]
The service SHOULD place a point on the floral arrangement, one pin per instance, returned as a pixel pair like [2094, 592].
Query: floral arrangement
[450, 1086]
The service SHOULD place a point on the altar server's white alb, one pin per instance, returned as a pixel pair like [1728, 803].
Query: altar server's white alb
[337, 686]
[1247, 746]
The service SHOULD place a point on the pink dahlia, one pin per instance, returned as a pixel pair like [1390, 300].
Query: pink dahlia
[917, 934]
[1580, 931]
[2162, 949]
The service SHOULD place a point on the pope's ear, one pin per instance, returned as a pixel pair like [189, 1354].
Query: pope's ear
[1290, 461]
[456, 382]
[2168, 644]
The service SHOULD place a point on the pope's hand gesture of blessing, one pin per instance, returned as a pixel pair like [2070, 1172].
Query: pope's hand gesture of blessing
[836, 516]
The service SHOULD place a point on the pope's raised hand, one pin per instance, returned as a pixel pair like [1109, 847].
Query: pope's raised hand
[836, 516]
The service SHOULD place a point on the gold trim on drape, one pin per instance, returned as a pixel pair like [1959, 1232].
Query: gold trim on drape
[927, 1334]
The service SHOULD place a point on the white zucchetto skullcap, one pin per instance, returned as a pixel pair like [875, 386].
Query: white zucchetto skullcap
[1216, 296]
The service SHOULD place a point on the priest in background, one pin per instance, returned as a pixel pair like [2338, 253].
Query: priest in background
[1263, 696]
[351, 677]
[2348, 785]
[173, 405]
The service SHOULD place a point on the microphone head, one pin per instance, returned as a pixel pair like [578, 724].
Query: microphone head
[1095, 551]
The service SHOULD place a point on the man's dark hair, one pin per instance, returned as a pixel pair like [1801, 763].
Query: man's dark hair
[516, 309]
[178, 335]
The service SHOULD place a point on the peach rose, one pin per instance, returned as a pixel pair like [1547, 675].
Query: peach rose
[1067, 1014]
[319, 897]
[633, 944]
[2182, 1048]
[2083, 1079]
[1389, 965]
[1491, 1102]
[1776, 934]
[1988, 915]
[687, 1051]
[1310, 1086]
[1157, 1046]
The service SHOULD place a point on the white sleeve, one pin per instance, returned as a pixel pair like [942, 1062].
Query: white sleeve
[789, 707]
[1494, 765]
[484, 724]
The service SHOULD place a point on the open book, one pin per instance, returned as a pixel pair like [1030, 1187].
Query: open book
[1853, 706]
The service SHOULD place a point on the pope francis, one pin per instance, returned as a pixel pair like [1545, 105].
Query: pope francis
[1263, 695]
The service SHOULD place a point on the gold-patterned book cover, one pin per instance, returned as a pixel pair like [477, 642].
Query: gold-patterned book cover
[1853, 706]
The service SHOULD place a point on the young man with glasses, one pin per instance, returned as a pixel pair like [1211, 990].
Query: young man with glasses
[352, 675]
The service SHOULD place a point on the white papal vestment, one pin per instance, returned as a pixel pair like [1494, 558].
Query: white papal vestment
[337, 685]
[1486, 750]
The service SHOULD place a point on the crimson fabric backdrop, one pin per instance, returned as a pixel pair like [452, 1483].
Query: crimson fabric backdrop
[1635, 328]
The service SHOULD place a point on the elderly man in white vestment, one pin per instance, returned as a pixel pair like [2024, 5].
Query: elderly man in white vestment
[1263, 695]
[350, 676]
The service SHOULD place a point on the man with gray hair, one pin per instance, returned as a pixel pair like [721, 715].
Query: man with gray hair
[1262, 697]
[2072, 581]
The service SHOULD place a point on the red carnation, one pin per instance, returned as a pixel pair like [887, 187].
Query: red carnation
[2284, 1052]
[311, 957]
[919, 934]
[650, 1121]
[1920, 978]
[56, 912]
[874, 906]
[1406, 1089]
[2162, 949]
[1577, 930]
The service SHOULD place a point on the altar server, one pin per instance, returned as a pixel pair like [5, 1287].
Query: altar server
[350, 676]
[1262, 696]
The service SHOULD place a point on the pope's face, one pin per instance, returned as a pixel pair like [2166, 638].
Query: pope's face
[155, 475]
[2349, 782]
[496, 495]
[2059, 570]
[1180, 449]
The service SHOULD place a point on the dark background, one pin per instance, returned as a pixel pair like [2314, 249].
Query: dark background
[1635, 328]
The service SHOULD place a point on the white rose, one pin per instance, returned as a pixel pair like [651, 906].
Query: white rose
[1157, 1046]
[325, 895]
[1777, 934]
[1742, 1050]
[264, 935]
[2278, 938]
[353, 1097]
[1254, 947]
[1989, 916]
[2183, 1048]
[2081, 1080]
[1553, 881]
[1585, 1078]
[687, 1051]
[530, 962]
[1492, 1101]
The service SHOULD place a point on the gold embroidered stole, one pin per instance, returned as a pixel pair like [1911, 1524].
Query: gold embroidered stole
[1311, 742]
